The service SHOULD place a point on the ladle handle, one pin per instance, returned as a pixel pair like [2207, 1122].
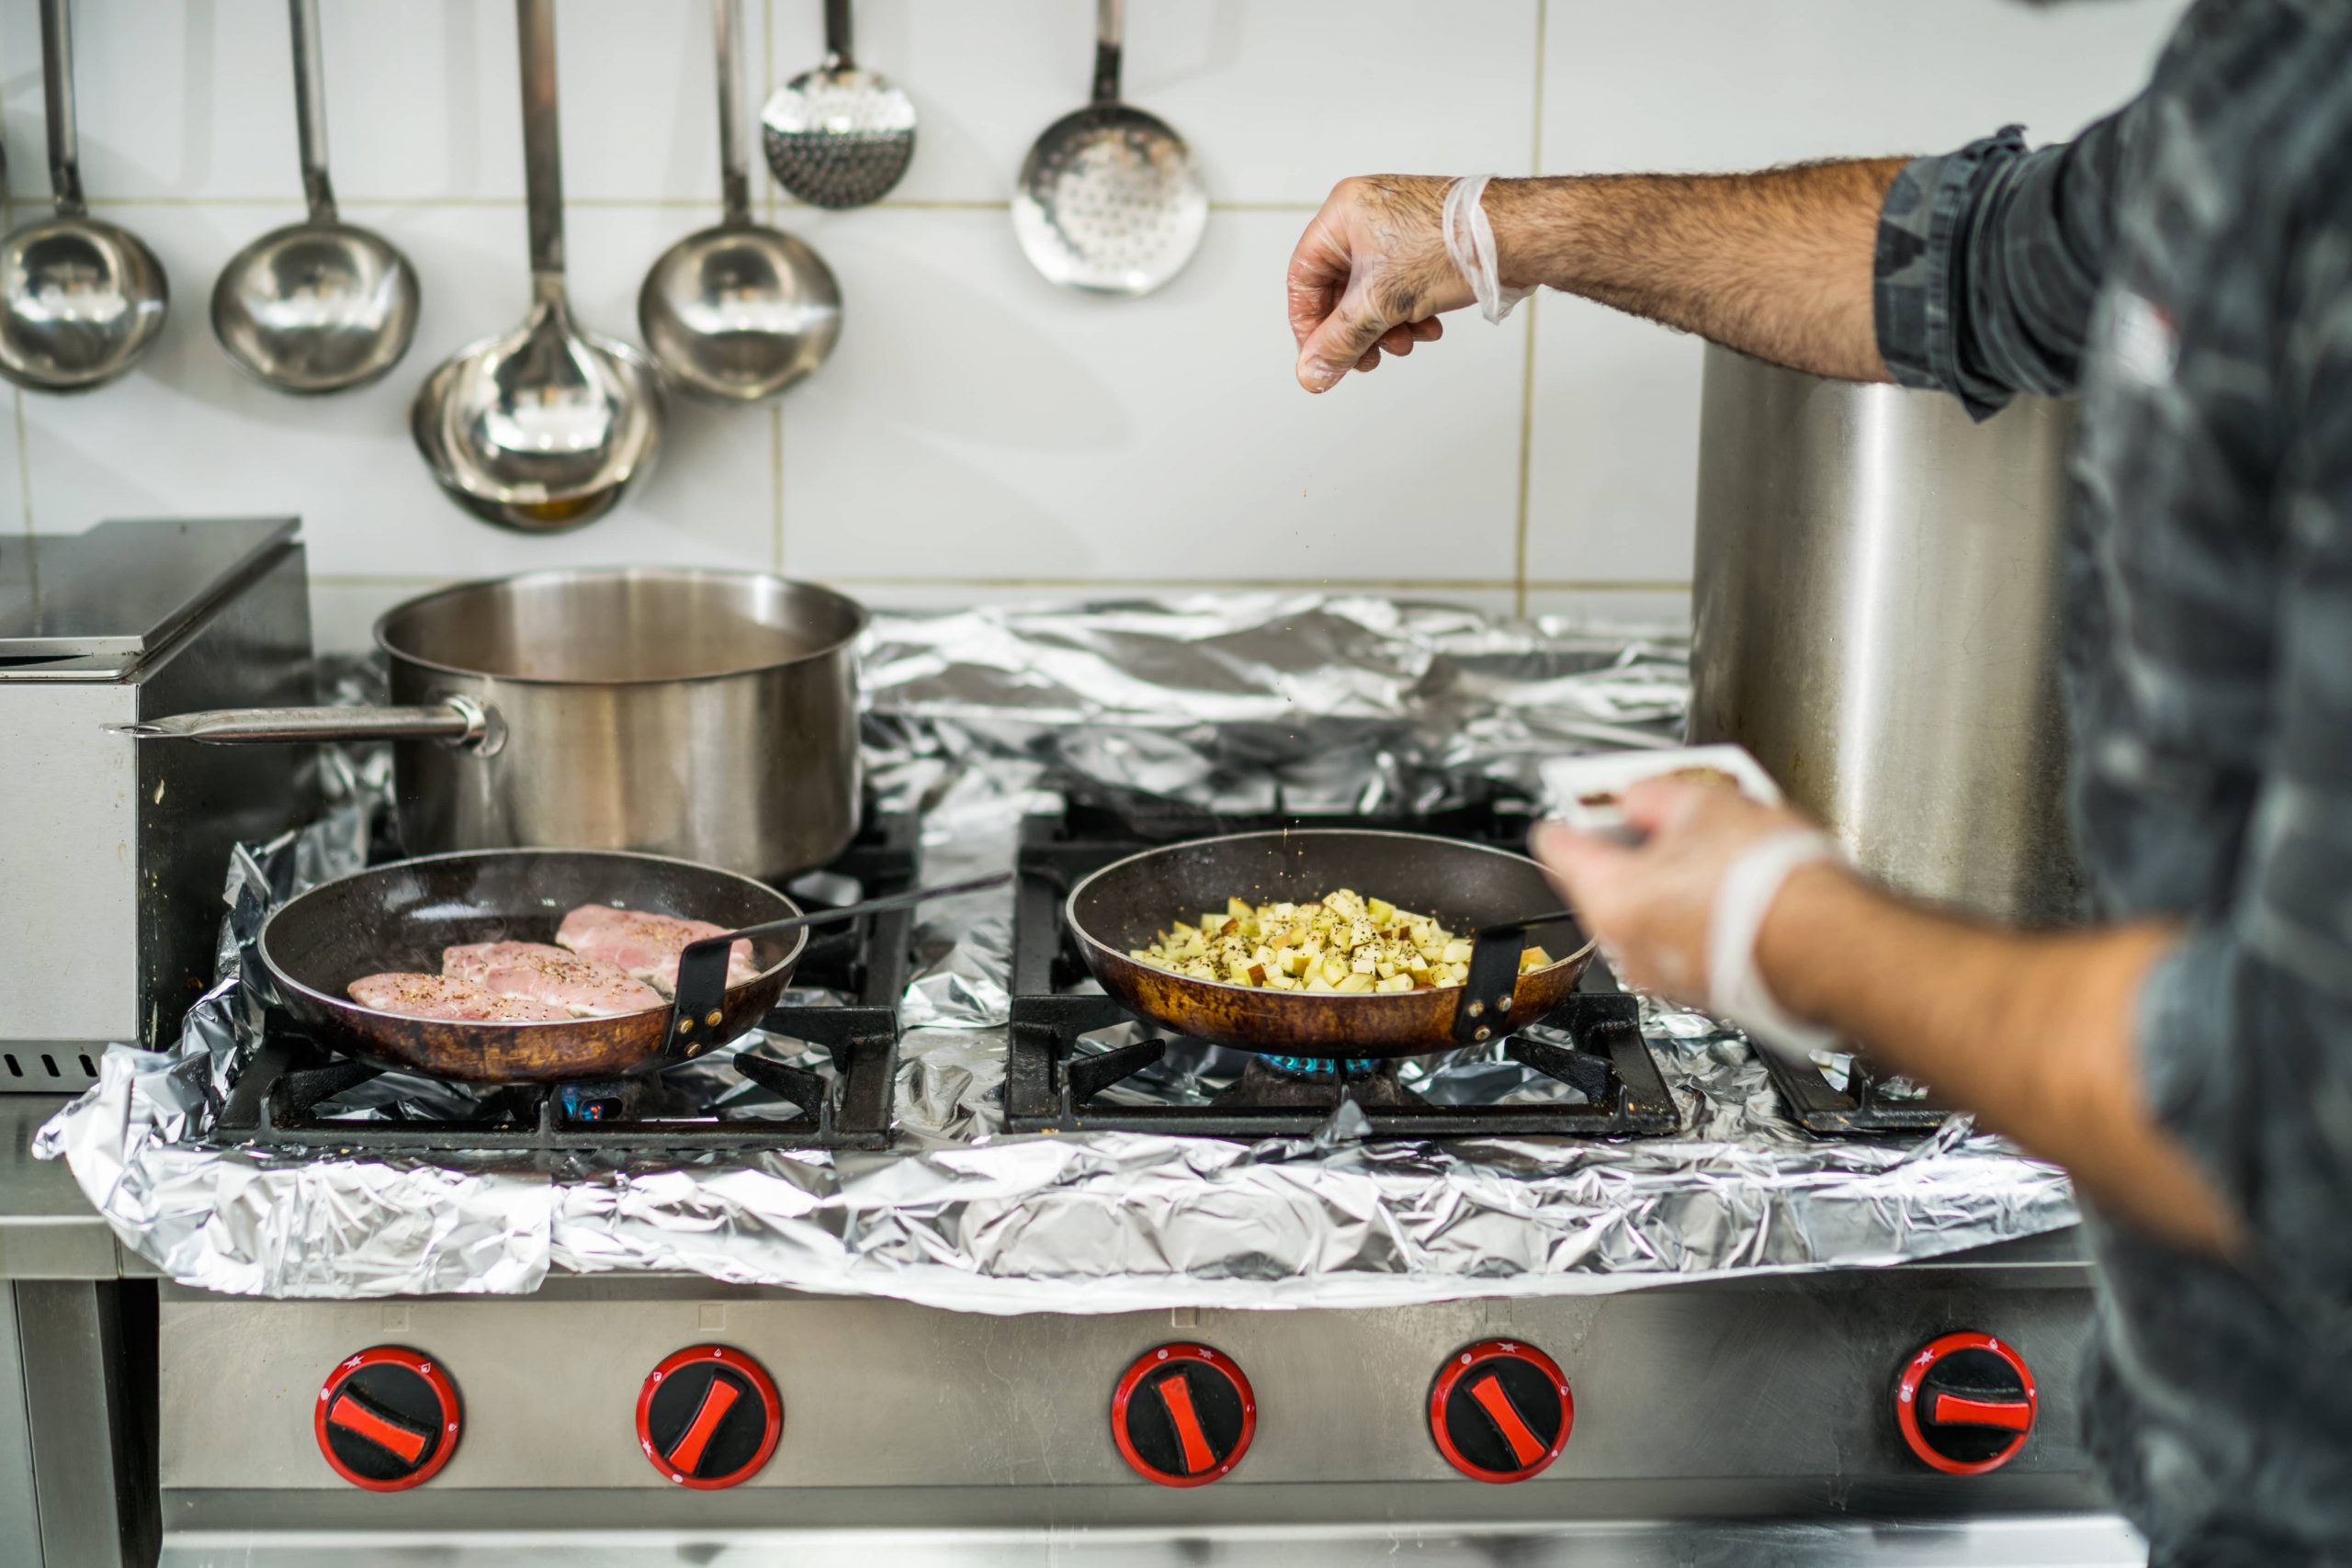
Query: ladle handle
[311, 109]
[57, 88]
[1110, 28]
[734, 179]
[837, 40]
[542, 144]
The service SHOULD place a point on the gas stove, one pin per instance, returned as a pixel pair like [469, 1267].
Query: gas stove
[1055, 1080]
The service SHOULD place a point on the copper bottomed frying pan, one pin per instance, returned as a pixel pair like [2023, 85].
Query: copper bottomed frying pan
[1504, 898]
[401, 915]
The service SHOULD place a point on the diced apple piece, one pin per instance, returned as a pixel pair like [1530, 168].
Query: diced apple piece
[1380, 910]
[1356, 983]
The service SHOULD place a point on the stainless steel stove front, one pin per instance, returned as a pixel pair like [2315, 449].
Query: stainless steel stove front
[963, 1438]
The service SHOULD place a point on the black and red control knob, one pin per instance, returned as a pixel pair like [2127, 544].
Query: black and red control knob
[388, 1418]
[1966, 1403]
[708, 1417]
[1183, 1415]
[1500, 1411]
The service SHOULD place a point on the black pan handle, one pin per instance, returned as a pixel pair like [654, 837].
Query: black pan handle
[1484, 1009]
[697, 1011]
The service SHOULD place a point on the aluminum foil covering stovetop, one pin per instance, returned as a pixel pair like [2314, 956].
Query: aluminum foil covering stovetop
[1324, 704]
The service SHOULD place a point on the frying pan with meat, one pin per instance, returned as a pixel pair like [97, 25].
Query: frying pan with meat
[401, 915]
[1503, 898]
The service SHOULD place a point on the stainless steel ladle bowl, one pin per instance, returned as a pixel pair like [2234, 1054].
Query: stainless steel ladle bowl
[738, 311]
[322, 305]
[81, 300]
[546, 427]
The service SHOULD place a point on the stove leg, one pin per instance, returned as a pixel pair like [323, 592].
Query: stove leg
[76, 1431]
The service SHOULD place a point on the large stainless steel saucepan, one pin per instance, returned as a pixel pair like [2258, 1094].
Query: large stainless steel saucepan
[1503, 898]
[707, 716]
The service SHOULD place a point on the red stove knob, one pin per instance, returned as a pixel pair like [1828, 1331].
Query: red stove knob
[1183, 1415]
[1966, 1403]
[1500, 1411]
[708, 1417]
[388, 1418]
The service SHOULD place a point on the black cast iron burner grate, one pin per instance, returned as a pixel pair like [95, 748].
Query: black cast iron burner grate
[1865, 1105]
[1052, 1086]
[277, 1100]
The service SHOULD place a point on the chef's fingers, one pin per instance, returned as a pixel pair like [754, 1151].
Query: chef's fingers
[1428, 331]
[1319, 266]
[1370, 362]
[1351, 331]
[1397, 340]
[1659, 805]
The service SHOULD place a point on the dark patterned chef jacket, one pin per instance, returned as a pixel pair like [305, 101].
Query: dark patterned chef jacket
[2186, 264]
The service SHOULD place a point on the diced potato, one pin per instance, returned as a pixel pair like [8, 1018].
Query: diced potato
[1342, 941]
[1534, 958]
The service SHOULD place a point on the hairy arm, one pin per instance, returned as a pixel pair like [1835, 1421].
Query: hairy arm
[2034, 1032]
[1776, 264]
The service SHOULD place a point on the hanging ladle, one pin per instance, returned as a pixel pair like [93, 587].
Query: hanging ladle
[739, 311]
[319, 306]
[547, 427]
[81, 300]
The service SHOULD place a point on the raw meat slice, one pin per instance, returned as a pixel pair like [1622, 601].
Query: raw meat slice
[585, 988]
[647, 946]
[459, 1001]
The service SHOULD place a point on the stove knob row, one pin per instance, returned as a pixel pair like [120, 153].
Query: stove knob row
[389, 1419]
[1965, 1403]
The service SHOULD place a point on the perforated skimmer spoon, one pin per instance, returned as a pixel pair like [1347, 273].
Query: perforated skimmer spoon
[838, 136]
[1110, 199]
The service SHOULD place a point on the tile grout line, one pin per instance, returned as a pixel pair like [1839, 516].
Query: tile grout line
[1527, 362]
[16, 394]
[774, 206]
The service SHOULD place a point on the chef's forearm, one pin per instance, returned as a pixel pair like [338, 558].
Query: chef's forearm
[1776, 264]
[2034, 1032]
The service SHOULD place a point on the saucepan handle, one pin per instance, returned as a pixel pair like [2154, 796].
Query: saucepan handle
[697, 1010]
[1483, 1011]
[460, 721]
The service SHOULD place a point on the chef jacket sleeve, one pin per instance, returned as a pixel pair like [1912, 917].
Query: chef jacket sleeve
[1989, 260]
[2245, 1032]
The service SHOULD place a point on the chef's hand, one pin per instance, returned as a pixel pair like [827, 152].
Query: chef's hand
[1650, 904]
[1371, 273]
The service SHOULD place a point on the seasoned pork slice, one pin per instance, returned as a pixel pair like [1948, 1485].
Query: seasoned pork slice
[647, 946]
[585, 988]
[439, 996]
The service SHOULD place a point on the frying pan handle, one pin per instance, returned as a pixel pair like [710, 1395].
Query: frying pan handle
[699, 1009]
[1484, 1011]
[1110, 28]
[837, 53]
[57, 82]
[460, 721]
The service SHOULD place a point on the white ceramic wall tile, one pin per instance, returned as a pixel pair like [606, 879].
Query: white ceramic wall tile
[888, 595]
[976, 423]
[187, 434]
[194, 100]
[1613, 480]
[1278, 100]
[1726, 85]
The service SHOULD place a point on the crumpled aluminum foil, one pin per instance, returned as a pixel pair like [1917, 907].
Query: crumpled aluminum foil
[976, 717]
